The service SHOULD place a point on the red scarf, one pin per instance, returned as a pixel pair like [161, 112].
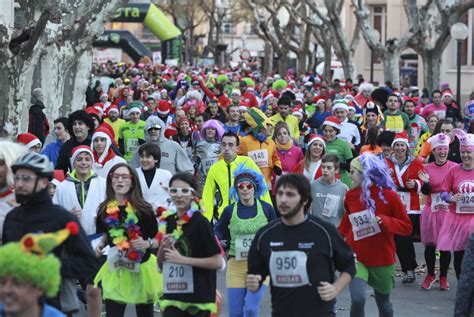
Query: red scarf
[110, 155]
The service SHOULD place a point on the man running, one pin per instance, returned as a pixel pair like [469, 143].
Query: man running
[300, 253]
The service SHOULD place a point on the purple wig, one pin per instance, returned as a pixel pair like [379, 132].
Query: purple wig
[375, 172]
[212, 124]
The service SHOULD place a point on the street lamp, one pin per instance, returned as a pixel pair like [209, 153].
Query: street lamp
[373, 33]
[459, 32]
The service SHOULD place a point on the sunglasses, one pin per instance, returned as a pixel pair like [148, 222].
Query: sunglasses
[125, 177]
[183, 191]
[245, 185]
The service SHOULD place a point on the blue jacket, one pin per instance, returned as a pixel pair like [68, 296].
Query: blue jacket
[52, 151]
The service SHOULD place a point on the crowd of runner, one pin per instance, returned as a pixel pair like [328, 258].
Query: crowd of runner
[294, 183]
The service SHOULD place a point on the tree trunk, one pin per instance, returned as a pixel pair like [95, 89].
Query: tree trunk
[327, 62]
[391, 67]
[283, 62]
[348, 65]
[76, 81]
[267, 66]
[431, 70]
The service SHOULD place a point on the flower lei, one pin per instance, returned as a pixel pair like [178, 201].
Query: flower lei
[123, 233]
[178, 232]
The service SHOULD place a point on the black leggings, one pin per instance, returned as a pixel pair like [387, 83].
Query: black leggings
[444, 260]
[405, 248]
[176, 312]
[114, 309]
[458, 255]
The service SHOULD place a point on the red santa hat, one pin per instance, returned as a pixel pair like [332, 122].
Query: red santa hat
[28, 139]
[103, 132]
[112, 108]
[58, 177]
[163, 107]
[78, 150]
[333, 122]
[313, 138]
[401, 137]
[340, 105]
[438, 140]
[93, 111]
[319, 99]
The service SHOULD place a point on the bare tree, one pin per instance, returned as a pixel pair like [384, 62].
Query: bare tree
[262, 24]
[431, 25]
[344, 48]
[321, 33]
[43, 53]
[300, 40]
[391, 50]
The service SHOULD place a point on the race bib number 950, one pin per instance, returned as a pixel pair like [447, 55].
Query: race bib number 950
[288, 268]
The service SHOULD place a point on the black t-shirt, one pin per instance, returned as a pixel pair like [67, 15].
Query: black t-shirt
[197, 241]
[146, 221]
[326, 252]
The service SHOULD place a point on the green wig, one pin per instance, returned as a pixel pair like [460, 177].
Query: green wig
[41, 271]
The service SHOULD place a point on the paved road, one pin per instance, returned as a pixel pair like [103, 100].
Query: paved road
[408, 301]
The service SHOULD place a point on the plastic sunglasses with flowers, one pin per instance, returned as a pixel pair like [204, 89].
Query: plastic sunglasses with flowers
[245, 185]
[185, 191]
[125, 177]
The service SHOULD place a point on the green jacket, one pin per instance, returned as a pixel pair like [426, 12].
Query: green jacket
[220, 178]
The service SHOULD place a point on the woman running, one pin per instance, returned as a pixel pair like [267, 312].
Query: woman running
[435, 210]
[310, 165]
[458, 190]
[405, 169]
[128, 223]
[374, 214]
[188, 254]
[236, 228]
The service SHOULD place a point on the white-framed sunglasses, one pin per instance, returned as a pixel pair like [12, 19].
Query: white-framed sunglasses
[185, 191]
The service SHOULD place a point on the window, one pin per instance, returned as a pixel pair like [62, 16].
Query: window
[467, 46]
[378, 14]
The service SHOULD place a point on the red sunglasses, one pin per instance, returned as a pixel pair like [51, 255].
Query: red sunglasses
[244, 185]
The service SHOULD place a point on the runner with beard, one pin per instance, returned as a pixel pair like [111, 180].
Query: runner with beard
[301, 254]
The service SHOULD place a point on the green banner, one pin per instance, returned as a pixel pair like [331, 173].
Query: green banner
[160, 25]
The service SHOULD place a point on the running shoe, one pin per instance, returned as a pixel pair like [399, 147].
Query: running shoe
[409, 278]
[429, 281]
[443, 283]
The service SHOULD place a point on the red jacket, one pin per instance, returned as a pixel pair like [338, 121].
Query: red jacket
[379, 249]
[411, 172]
[248, 99]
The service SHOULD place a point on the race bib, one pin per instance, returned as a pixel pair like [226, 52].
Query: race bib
[288, 268]
[441, 114]
[118, 259]
[466, 204]
[132, 145]
[331, 205]
[177, 278]
[207, 163]
[405, 198]
[363, 225]
[438, 204]
[242, 246]
[260, 157]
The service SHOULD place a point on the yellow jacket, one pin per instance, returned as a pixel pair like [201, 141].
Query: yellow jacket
[220, 178]
[292, 123]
